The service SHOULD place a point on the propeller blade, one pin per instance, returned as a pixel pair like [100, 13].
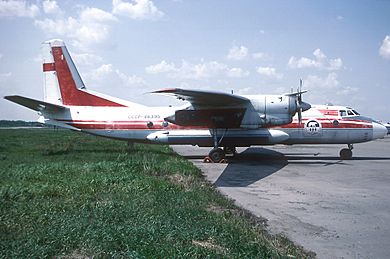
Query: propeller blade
[300, 116]
[300, 105]
[300, 91]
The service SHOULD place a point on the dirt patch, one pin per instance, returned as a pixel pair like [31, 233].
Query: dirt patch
[210, 244]
[185, 181]
[239, 212]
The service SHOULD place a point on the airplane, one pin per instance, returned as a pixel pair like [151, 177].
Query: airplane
[219, 120]
[387, 125]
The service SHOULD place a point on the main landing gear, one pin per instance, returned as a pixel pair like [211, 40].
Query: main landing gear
[217, 154]
[346, 153]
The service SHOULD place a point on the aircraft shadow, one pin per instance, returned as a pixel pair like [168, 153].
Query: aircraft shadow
[251, 166]
[255, 164]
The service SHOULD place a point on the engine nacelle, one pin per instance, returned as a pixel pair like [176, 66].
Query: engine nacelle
[270, 110]
[256, 111]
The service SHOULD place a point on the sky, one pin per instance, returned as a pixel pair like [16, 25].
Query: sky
[128, 48]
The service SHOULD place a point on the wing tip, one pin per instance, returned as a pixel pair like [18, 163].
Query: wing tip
[166, 91]
[11, 97]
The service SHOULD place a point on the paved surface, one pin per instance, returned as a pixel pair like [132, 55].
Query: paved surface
[338, 209]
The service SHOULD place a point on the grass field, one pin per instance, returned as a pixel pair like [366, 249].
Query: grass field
[69, 195]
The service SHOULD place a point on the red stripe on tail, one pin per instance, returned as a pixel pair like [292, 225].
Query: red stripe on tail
[70, 94]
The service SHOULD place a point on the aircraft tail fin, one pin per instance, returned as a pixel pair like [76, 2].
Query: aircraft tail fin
[62, 82]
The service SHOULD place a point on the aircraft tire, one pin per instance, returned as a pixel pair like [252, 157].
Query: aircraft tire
[345, 154]
[230, 150]
[216, 155]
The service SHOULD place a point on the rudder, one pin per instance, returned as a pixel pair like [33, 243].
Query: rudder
[62, 82]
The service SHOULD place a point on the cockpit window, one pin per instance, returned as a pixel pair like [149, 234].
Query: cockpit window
[356, 112]
[349, 112]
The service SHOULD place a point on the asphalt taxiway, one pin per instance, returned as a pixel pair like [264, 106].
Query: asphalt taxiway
[337, 209]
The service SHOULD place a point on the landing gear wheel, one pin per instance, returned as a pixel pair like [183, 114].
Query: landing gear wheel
[230, 150]
[345, 154]
[216, 155]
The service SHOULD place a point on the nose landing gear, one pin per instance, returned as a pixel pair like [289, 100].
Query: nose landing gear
[346, 153]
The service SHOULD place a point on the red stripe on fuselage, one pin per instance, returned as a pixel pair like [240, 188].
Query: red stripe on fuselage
[328, 125]
[126, 125]
[115, 126]
[329, 112]
[130, 127]
[157, 125]
[70, 94]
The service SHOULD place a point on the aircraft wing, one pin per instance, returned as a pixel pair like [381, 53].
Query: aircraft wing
[33, 104]
[206, 99]
[210, 109]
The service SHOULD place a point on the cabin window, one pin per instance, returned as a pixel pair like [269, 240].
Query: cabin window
[343, 113]
[350, 113]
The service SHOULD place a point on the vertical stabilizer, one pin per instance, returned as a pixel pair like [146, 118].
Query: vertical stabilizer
[62, 82]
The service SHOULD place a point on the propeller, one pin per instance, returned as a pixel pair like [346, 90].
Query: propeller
[301, 106]
[299, 102]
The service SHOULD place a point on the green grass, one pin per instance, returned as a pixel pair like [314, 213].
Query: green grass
[66, 194]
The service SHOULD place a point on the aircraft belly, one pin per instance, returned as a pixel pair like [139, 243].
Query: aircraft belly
[204, 141]
[235, 138]
[129, 135]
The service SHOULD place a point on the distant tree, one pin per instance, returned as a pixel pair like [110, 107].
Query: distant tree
[20, 123]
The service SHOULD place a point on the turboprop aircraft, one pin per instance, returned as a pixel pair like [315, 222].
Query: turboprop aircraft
[211, 119]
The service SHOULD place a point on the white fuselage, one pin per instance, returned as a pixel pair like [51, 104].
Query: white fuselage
[320, 125]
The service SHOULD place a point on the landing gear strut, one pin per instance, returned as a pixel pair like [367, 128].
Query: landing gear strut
[216, 155]
[346, 153]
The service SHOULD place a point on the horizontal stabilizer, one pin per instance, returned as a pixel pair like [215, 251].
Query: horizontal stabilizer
[33, 104]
